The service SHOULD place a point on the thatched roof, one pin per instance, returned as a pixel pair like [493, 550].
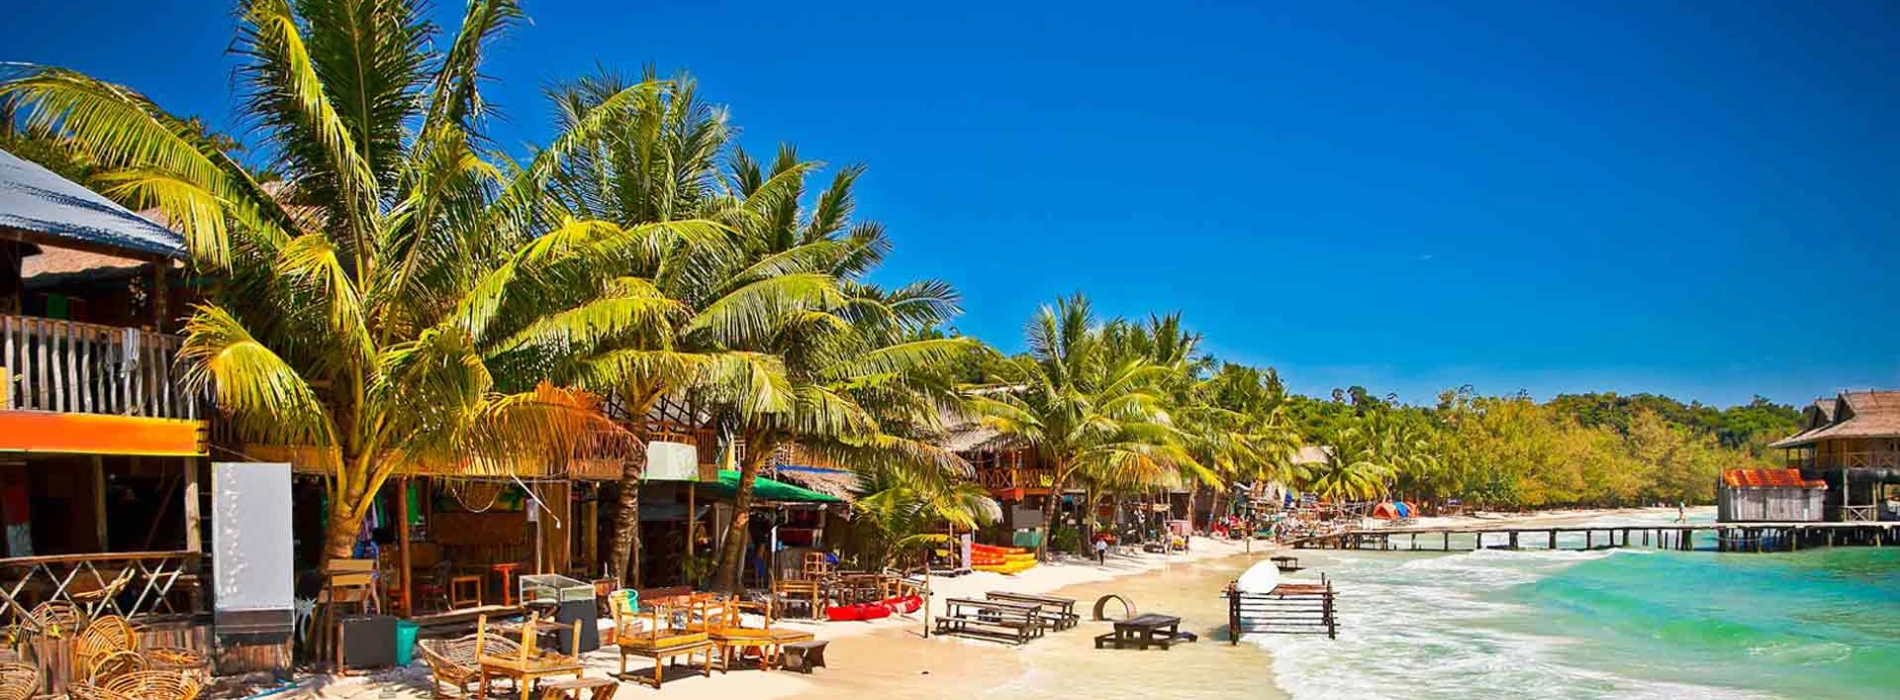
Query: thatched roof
[38, 206]
[1852, 414]
[838, 483]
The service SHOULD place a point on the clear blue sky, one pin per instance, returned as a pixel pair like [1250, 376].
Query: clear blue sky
[1697, 199]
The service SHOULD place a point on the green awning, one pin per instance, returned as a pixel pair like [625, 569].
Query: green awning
[763, 489]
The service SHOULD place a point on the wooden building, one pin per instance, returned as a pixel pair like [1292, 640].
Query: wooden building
[1852, 442]
[101, 446]
[1769, 495]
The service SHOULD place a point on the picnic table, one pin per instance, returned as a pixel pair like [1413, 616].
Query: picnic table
[1005, 620]
[1058, 613]
[1143, 631]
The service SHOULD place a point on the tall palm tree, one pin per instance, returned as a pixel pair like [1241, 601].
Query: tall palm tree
[1087, 410]
[383, 301]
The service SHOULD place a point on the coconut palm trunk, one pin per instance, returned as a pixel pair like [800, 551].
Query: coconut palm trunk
[1051, 507]
[625, 560]
[738, 533]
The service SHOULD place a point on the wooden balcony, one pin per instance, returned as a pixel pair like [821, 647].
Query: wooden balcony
[70, 367]
[1016, 482]
[1880, 459]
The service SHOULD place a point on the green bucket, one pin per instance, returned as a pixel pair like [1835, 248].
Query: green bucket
[406, 641]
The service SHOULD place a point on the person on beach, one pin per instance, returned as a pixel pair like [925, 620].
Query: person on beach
[1101, 550]
[1682, 512]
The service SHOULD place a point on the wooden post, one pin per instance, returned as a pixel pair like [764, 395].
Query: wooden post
[1513, 540]
[1479, 544]
[99, 501]
[1447, 535]
[194, 535]
[402, 547]
[1553, 538]
[1589, 539]
[158, 294]
[1646, 538]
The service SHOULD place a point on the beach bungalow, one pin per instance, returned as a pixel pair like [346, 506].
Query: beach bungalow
[102, 450]
[1851, 442]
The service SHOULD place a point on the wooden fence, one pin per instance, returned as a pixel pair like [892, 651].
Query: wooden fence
[72, 367]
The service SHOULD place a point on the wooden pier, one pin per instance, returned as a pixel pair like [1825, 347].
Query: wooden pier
[1290, 608]
[1720, 537]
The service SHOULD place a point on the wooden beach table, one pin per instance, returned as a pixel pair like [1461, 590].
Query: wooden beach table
[1058, 613]
[1017, 622]
[1143, 631]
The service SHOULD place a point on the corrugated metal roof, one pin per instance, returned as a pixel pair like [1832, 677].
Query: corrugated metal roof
[38, 201]
[1769, 479]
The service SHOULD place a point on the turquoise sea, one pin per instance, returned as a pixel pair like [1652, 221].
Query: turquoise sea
[1630, 623]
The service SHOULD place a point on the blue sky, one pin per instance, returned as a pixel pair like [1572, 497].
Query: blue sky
[1696, 199]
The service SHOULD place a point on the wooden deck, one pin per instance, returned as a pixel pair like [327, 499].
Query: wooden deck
[1290, 608]
[1724, 537]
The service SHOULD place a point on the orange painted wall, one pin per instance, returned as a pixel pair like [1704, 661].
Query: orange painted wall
[85, 433]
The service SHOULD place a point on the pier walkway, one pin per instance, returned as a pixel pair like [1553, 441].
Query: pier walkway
[1724, 537]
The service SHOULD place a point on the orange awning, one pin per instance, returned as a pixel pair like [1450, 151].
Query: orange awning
[45, 432]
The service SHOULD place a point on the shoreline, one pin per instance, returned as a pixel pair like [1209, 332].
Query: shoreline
[892, 656]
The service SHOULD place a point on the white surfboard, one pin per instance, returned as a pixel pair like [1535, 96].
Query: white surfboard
[1260, 578]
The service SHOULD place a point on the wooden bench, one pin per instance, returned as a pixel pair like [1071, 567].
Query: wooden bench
[1058, 613]
[1017, 622]
[1143, 631]
[667, 635]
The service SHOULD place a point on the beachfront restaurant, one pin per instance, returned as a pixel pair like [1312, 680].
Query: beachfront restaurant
[102, 451]
[1851, 442]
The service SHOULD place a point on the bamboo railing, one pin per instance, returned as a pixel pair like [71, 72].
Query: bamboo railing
[72, 367]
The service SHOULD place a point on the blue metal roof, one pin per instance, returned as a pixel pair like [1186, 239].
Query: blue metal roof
[38, 201]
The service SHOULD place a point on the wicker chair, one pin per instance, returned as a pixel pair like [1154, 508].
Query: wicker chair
[452, 662]
[57, 618]
[155, 685]
[19, 681]
[116, 664]
[179, 659]
[104, 636]
[88, 691]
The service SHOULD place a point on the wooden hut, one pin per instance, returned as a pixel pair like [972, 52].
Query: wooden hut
[1851, 441]
[1769, 495]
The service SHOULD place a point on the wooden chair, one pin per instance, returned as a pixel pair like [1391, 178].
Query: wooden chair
[452, 662]
[472, 584]
[345, 582]
[101, 638]
[807, 594]
[19, 681]
[724, 623]
[96, 599]
[116, 664]
[663, 633]
[155, 685]
[524, 663]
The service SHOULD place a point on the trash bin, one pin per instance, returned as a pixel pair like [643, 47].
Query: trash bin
[406, 641]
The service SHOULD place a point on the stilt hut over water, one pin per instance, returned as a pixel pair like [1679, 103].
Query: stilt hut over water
[1852, 442]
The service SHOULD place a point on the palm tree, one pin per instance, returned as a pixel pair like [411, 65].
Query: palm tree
[384, 302]
[1087, 410]
[901, 512]
[1355, 469]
